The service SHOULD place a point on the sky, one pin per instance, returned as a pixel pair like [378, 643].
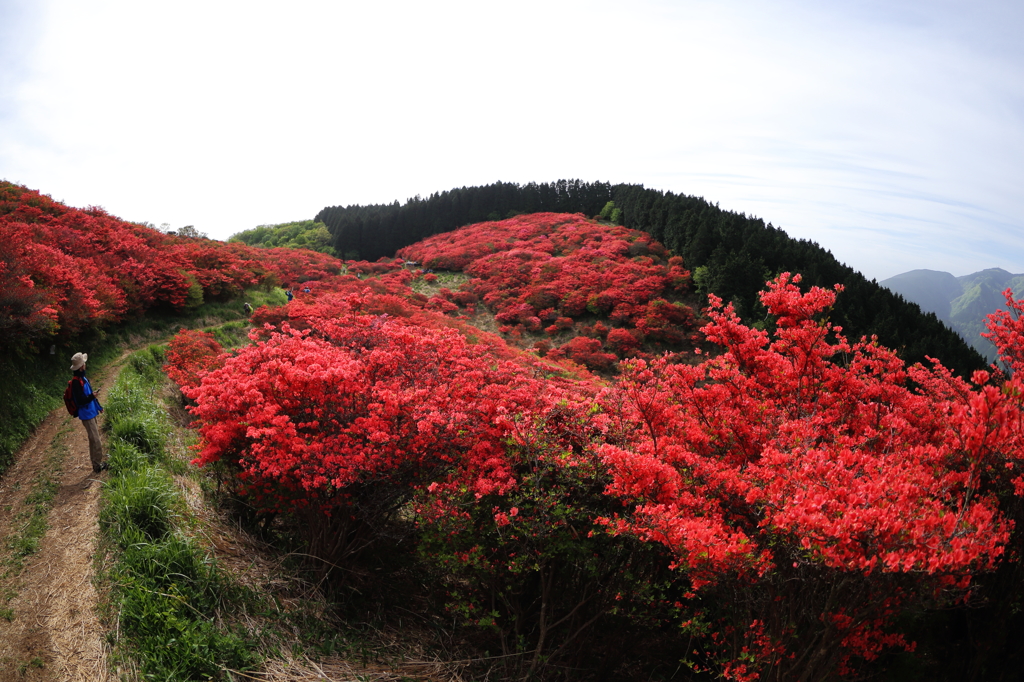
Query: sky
[889, 132]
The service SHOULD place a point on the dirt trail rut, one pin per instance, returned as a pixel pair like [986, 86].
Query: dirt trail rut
[50, 630]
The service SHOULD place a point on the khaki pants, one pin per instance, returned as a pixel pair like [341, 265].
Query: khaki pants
[95, 446]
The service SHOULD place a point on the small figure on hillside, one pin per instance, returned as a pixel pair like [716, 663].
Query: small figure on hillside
[289, 294]
[248, 308]
[88, 409]
[306, 290]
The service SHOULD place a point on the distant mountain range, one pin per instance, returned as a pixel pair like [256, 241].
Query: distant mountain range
[962, 303]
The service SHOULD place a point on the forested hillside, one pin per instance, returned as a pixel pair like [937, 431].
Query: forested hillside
[730, 254]
[301, 234]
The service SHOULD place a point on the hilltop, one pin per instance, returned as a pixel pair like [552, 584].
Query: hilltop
[729, 254]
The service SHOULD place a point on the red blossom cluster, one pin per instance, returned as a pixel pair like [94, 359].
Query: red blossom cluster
[64, 270]
[803, 455]
[191, 354]
[547, 271]
[308, 418]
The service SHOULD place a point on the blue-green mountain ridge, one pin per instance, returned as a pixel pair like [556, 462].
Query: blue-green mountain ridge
[963, 303]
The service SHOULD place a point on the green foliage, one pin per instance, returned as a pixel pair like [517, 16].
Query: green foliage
[303, 234]
[33, 384]
[194, 297]
[701, 279]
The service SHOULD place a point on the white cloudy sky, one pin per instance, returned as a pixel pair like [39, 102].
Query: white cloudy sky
[891, 132]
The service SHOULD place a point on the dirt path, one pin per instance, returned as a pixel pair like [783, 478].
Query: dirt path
[49, 629]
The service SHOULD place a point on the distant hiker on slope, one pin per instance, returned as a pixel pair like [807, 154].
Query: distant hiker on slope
[248, 308]
[88, 408]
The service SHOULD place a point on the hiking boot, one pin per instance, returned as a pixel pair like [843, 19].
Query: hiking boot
[100, 467]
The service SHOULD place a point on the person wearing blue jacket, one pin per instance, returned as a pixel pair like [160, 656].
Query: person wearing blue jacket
[88, 409]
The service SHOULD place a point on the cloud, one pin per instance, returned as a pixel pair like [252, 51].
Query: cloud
[888, 132]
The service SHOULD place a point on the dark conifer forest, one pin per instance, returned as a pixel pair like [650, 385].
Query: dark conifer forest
[730, 254]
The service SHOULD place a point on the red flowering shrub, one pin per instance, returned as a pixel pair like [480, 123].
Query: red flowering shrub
[190, 355]
[319, 423]
[587, 351]
[829, 491]
[527, 563]
[1005, 331]
[806, 491]
[364, 268]
[623, 342]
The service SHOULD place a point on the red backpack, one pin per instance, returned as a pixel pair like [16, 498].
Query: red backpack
[69, 397]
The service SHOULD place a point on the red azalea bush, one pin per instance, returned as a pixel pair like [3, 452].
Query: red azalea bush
[527, 563]
[352, 415]
[1005, 331]
[588, 352]
[804, 477]
[191, 354]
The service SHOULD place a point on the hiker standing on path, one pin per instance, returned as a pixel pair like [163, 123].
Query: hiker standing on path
[88, 408]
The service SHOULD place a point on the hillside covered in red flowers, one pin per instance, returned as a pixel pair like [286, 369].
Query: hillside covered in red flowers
[603, 291]
[781, 508]
[64, 270]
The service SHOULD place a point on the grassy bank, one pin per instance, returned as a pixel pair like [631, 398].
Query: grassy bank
[168, 596]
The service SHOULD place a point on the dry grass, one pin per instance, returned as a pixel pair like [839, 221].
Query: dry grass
[339, 670]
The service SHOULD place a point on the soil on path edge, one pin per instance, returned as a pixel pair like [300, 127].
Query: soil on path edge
[50, 630]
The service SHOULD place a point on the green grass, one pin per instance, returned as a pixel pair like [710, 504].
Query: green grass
[36, 662]
[168, 594]
[231, 334]
[445, 280]
[32, 387]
